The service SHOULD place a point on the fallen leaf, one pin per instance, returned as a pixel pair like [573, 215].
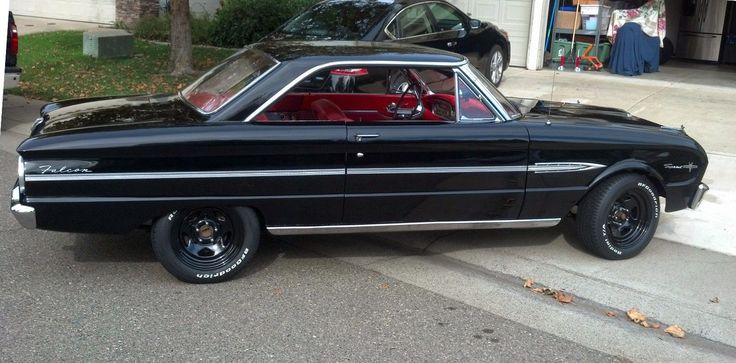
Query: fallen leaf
[538, 290]
[528, 283]
[655, 326]
[611, 313]
[715, 300]
[385, 285]
[562, 297]
[675, 331]
[636, 316]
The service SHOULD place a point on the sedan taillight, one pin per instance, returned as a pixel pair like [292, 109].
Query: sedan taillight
[13, 39]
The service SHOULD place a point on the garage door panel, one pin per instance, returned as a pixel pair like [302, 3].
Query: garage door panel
[96, 11]
[514, 16]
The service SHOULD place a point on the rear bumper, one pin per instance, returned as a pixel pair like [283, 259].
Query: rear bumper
[12, 77]
[26, 215]
[698, 195]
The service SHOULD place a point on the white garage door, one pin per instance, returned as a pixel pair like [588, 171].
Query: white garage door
[96, 11]
[510, 15]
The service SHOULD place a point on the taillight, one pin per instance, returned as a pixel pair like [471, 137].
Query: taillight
[13, 39]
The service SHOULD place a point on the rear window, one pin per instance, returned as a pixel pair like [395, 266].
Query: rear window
[337, 20]
[226, 81]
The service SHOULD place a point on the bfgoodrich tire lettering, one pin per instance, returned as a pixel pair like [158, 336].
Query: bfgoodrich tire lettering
[208, 244]
[618, 218]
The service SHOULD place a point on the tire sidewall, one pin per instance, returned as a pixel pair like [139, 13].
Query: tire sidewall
[602, 239]
[162, 234]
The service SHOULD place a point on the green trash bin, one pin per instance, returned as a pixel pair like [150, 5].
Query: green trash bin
[561, 47]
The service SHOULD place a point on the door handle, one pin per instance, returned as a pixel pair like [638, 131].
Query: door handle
[360, 137]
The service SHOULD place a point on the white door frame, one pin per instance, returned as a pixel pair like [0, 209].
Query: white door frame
[537, 35]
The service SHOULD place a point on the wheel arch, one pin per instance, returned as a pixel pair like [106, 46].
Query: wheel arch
[632, 166]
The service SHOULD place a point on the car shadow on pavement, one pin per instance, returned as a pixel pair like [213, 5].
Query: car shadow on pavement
[401, 244]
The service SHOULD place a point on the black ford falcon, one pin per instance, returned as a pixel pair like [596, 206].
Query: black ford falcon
[340, 137]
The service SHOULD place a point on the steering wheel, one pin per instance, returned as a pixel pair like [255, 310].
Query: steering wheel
[417, 111]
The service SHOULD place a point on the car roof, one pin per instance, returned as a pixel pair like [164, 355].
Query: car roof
[320, 52]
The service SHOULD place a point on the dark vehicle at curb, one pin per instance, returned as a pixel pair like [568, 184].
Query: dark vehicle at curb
[433, 23]
[341, 137]
[12, 72]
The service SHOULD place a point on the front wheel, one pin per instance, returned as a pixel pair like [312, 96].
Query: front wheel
[618, 218]
[204, 245]
[494, 63]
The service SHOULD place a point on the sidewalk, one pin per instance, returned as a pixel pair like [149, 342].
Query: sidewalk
[30, 25]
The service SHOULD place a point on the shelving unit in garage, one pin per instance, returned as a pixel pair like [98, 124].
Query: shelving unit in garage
[585, 20]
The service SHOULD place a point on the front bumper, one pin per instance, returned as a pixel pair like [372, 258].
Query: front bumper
[26, 215]
[698, 195]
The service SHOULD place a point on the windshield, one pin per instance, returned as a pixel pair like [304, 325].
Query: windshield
[226, 81]
[337, 20]
[510, 108]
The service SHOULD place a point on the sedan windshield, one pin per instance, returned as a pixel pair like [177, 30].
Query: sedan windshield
[337, 20]
[226, 81]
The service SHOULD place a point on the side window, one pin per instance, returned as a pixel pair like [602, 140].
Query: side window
[375, 94]
[411, 22]
[447, 17]
[472, 107]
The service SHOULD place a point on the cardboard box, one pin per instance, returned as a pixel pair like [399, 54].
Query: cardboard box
[585, 2]
[568, 20]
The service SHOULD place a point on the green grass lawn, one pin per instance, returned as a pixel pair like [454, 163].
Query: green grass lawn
[54, 68]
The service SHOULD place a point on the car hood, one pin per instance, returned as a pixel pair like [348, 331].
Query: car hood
[539, 110]
[114, 112]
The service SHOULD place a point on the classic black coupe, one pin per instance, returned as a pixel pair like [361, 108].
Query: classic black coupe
[434, 23]
[340, 137]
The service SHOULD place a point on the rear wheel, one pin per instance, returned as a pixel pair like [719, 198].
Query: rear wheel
[494, 63]
[209, 244]
[618, 218]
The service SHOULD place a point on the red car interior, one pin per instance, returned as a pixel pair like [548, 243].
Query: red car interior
[356, 107]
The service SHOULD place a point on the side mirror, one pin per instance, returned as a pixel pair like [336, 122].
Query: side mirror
[474, 23]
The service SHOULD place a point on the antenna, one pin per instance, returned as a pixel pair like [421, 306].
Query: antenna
[551, 96]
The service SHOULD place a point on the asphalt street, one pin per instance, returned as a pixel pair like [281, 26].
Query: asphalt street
[76, 297]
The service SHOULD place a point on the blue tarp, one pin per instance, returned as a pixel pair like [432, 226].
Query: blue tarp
[634, 52]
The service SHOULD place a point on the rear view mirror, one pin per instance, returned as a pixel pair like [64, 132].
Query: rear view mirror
[474, 23]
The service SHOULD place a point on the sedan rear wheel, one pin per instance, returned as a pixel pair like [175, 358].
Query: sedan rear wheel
[494, 65]
[208, 244]
[618, 218]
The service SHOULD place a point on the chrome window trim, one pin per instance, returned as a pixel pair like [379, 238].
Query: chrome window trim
[393, 37]
[185, 175]
[501, 111]
[413, 226]
[492, 107]
[236, 95]
[362, 64]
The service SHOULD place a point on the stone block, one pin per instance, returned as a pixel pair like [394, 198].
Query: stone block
[108, 44]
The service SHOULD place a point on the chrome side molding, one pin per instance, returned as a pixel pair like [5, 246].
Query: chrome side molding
[413, 226]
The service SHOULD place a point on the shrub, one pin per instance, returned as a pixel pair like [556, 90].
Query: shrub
[158, 28]
[241, 22]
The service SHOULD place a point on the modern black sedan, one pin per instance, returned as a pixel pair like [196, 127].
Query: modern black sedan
[434, 23]
[341, 137]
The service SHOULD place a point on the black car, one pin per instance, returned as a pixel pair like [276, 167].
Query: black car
[341, 137]
[433, 23]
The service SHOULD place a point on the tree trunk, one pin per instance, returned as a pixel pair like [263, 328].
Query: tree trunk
[180, 60]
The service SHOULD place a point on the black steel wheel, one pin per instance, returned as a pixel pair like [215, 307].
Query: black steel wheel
[618, 218]
[207, 244]
[494, 65]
